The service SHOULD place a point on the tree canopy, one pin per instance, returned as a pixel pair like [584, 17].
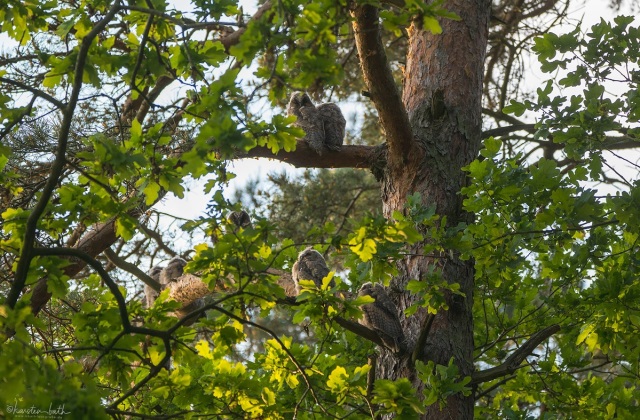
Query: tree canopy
[502, 220]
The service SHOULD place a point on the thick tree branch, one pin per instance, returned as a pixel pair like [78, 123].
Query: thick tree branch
[379, 80]
[305, 157]
[161, 84]
[422, 338]
[360, 330]
[514, 361]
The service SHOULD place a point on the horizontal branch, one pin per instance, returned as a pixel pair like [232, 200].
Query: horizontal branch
[305, 157]
[514, 361]
[36, 92]
[182, 23]
[499, 115]
[501, 131]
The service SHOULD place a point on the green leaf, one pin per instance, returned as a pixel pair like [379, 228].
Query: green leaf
[432, 25]
[515, 107]
[151, 193]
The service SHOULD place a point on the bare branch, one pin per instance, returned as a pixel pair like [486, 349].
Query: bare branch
[131, 268]
[501, 131]
[183, 23]
[499, 115]
[35, 91]
[514, 361]
[157, 237]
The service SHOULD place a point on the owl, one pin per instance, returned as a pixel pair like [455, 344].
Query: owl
[324, 125]
[239, 218]
[150, 294]
[382, 317]
[173, 270]
[310, 265]
[190, 292]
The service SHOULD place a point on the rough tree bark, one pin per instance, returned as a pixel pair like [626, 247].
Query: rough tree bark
[442, 97]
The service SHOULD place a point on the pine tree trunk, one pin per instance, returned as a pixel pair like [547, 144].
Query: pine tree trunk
[442, 95]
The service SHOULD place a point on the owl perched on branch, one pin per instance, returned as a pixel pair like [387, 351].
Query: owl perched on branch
[382, 317]
[324, 125]
[310, 265]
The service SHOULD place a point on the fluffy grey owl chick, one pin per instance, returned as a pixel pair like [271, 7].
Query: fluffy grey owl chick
[324, 125]
[382, 317]
[239, 218]
[173, 270]
[150, 294]
[310, 265]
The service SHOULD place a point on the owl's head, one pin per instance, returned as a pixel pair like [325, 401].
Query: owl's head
[176, 263]
[155, 271]
[298, 100]
[310, 254]
[366, 290]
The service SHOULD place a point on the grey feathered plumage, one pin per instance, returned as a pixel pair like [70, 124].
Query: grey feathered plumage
[382, 317]
[310, 265]
[240, 218]
[324, 125]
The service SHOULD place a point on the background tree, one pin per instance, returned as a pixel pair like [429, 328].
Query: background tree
[514, 278]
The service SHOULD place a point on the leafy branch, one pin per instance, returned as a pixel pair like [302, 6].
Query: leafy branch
[26, 253]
